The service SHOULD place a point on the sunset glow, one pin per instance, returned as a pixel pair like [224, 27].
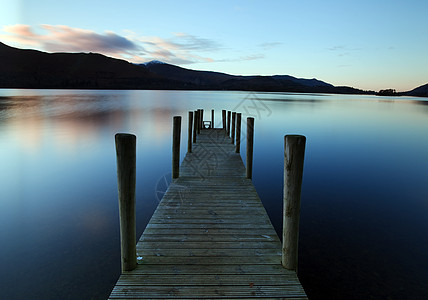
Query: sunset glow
[365, 44]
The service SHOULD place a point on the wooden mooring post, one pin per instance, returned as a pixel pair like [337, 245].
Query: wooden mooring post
[223, 118]
[232, 138]
[212, 118]
[238, 133]
[176, 131]
[189, 138]
[250, 145]
[126, 177]
[195, 125]
[199, 121]
[202, 119]
[294, 154]
[228, 123]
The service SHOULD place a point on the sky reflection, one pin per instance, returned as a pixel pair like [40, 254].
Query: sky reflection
[363, 200]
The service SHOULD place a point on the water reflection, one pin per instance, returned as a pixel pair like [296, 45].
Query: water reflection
[363, 202]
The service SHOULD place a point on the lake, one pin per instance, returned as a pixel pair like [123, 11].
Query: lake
[364, 210]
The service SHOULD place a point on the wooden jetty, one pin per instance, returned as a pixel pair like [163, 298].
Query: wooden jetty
[210, 236]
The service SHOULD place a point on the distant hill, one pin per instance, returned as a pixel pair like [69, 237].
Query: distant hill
[189, 77]
[421, 91]
[220, 81]
[36, 69]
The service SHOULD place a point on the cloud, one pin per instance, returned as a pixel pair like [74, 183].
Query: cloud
[269, 45]
[342, 50]
[191, 42]
[21, 34]
[61, 38]
[243, 58]
[336, 48]
[180, 48]
[253, 56]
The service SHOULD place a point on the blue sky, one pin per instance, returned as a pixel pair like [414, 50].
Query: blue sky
[371, 45]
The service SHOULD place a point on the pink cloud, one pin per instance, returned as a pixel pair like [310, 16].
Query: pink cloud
[180, 48]
[61, 38]
[20, 30]
[21, 34]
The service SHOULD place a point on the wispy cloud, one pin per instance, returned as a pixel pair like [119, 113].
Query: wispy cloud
[61, 38]
[269, 45]
[180, 48]
[342, 50]
[252, 57]
[190, 42]
[336, 48]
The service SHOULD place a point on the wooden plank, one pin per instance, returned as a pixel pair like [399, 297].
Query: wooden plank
[205, 226]
[206, 238]
[202, 260]
[212, 211]
[207, 245]
[207, 279]
[172, 252]
[210, 236]
[178, 203]
[204, 292]
[209, 221]
[266, 270]
[214, 231]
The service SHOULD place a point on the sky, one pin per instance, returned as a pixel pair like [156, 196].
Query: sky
[366, 44]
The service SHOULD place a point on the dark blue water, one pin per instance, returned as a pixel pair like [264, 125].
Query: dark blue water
[364, 218]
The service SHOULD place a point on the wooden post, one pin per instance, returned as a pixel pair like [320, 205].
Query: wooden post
[212, 118]
[223, 118]
[228, 123]
[202, 119]
[126, 174]
[199, 121]
[233, 128]
[250, 144]
[176, 131]
[238, 132]
[195, 125]
[294, 154]
[189, 138]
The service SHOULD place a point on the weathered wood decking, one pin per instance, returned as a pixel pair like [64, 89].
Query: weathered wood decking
[210, 236]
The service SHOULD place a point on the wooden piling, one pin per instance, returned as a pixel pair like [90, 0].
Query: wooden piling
[223, 118]
[238, 133]
[228, 123]
[250, 144]
[202, 119]
[126, 175]
[232, 139]
[195, 125]
[199, 121]
[212, 118]
[189, 136]
[176, 131]
[294, 154]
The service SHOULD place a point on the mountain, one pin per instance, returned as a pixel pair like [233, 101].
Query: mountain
[189, 77]
[209, 80]
[36, 69]
[421, 91]
[307, 82]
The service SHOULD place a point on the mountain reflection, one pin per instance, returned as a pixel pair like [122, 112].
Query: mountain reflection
[67, 120]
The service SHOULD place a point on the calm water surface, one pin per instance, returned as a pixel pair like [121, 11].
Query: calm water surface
[364, 218]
